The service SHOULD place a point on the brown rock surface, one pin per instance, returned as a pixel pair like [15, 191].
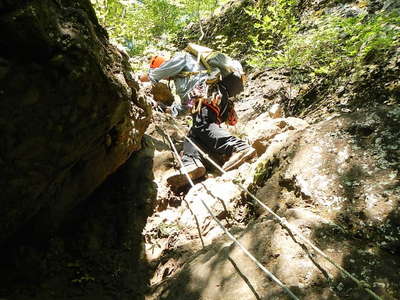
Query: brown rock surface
[336, 181]
[162, 93]
[68, 118]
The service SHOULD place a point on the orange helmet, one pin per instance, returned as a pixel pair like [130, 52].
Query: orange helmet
[156, 61]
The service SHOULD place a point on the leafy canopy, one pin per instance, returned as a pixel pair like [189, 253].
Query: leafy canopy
[334, 44]
[138, 24]
[279, 37]
[340, 44]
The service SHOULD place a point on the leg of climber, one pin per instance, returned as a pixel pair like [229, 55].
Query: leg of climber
[192, 166]
[209, 135]
[218, 140]
[239, 157]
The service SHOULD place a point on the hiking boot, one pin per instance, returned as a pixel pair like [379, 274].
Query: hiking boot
[237, 158]
[179, 180]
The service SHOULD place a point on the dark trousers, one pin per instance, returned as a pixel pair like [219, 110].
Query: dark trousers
[210, 137]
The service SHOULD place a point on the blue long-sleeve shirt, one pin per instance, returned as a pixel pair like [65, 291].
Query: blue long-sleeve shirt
[182, 62]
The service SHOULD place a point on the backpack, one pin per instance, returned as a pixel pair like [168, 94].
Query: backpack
[162, 93]
[220, 67]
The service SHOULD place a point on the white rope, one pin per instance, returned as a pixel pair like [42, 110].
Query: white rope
[200, 24]
[265, 270]
[362, 284]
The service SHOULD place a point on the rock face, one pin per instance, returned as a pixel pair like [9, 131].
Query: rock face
[335, 181]
[69, 113]
[347, 168]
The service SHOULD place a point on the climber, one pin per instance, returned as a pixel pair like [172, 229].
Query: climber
[206, 130]
[183, 85]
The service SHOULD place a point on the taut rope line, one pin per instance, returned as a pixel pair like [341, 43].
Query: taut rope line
[265, 270]
[282, 221]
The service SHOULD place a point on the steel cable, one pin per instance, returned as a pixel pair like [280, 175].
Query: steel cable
[265, 270]
[282, 221]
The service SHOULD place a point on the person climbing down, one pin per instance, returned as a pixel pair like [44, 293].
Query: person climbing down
[210, 106]
[183, 62]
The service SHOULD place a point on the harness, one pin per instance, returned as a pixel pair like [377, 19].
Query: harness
[215, 76]
[212, 102]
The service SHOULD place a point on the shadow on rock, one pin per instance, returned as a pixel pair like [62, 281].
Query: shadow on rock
[99, 252]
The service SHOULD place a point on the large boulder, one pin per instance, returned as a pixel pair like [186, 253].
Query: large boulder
[70, 113]
[346, 166]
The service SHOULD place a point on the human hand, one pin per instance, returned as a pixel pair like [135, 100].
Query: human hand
[144, 77]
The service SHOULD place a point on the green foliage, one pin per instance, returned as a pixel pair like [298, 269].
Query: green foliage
[335, 44]
[167, 229]
[339, 44]
[83, 279]
[274, 25]
[80, 277]
[137, 25]
[221, 43]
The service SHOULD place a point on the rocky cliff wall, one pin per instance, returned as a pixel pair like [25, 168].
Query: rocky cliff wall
[70, 113]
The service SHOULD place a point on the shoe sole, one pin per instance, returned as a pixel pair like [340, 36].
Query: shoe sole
[245, 157]
[180, 180]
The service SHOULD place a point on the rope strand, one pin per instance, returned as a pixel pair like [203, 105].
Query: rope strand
[283, 222]
[265, 270]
